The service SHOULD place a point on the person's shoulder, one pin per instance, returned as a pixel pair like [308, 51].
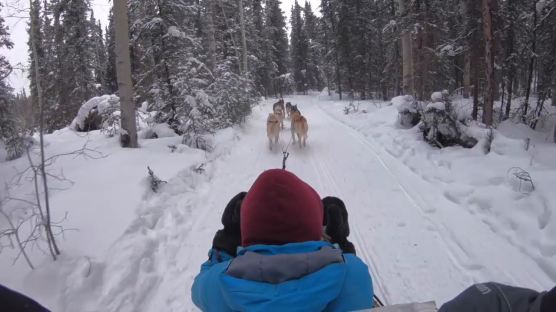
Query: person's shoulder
[356, 268]
[355, 262]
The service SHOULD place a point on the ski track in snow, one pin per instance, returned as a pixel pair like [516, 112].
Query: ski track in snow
[419, 246]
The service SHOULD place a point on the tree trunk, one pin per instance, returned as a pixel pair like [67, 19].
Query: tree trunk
[531, 62]
[488, 5]
[47, 220]
[408, 81]
[554, 134]
[475, 112]
[466, 74]
[554, 89]
[243, 40]
[509, 60]
[128, 137]
[501, 114]
[211, 41]
[510, 90]
[407, 67]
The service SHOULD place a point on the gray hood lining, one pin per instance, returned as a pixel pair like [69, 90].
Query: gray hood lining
[276, 269]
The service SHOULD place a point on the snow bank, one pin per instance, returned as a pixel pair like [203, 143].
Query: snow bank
[99, 104]
[456, 184]
[157, 131]
[324, 95]
[100, 203]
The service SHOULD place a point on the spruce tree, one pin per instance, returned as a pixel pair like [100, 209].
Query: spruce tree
[98, 52]
[111, 84]
[35, 24]
[9, 129]
[276, 58]
[313, 59]
[298, 49]
[77, 84]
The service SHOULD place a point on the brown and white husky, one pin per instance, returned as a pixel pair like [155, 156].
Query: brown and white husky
[299, 127]
[279, 103]
[289, 107]
[272, 129]
[280, 111]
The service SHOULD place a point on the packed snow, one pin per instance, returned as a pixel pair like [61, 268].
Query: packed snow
[428, 222]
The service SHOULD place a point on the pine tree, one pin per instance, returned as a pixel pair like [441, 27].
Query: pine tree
[111, 84]
[10, 132]
[77, 84]
[5, 67]
[257, 43]
[166, 42]
[98, 51]
[313, 59]
[51, 79]
[35, 23]
[299, 49]
[329, 10]
[276, 58]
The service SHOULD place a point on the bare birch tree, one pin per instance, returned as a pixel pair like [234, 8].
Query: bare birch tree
[47, 222]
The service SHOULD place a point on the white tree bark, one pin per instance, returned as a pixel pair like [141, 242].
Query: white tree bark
[53, 247]
[128, 137]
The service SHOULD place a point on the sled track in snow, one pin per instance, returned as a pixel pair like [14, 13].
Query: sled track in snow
[415, 199]
[326, 176]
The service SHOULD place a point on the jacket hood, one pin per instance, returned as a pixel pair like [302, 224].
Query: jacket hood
[300, 276]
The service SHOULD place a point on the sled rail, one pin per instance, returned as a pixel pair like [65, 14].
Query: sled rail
[411, 307]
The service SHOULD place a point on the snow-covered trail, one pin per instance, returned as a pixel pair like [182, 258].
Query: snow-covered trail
[418, 246]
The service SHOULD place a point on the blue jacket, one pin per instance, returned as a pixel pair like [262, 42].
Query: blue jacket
[309, 276]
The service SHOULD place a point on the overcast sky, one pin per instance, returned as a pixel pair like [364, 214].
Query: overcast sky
[16, 14]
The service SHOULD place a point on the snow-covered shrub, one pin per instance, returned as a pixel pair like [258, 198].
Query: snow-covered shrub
[232, 95]
[408, 110]
[200, 124]
[351, 108]
[111, 118]
[15, 143]
[440, 125]
[101, 112]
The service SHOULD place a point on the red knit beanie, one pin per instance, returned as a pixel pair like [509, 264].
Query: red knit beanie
[279, 209]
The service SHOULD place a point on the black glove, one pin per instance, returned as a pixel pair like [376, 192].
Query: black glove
[229, 237]
[549, 301]
[336, 222]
